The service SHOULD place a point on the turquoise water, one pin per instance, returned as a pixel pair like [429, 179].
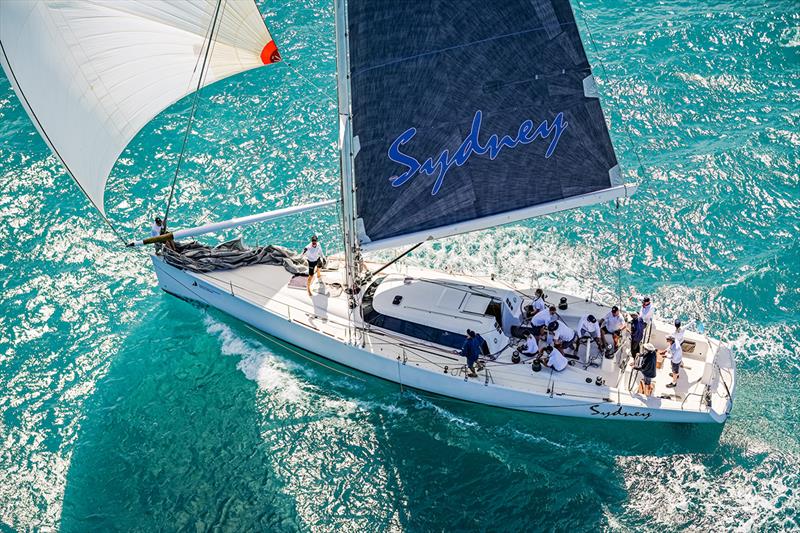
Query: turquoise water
[124, 408]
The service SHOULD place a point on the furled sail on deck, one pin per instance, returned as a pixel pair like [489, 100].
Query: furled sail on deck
[471, 114]
[92, 73]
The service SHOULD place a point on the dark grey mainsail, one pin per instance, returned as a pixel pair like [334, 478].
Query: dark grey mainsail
[467, 114]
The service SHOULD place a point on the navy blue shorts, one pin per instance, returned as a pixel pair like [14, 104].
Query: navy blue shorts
[676, 368]
[312, 267]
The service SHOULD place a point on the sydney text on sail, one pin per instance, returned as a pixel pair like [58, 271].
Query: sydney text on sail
[438, 167]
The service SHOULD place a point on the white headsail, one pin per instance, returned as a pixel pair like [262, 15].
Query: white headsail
[91, 74]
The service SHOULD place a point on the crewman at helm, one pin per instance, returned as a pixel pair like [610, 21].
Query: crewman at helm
[538, 303]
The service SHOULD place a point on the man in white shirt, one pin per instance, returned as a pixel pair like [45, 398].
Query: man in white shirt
[314, 255]
[542, 318]
[646, 314]
[647, 310]
[679, 333]
[612, 324]
[538, 302]
[588, 327]
[531, 345]
[562, 336]
[555, 359]
[155, 229]
[675, 355]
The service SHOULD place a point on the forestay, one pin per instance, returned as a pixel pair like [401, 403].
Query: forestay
[471, 114]
[91, 74]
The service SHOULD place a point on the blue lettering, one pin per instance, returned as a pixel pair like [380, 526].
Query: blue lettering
[439, 166]
[399, 157]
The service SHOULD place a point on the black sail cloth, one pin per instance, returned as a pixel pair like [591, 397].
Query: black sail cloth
[197, 257]
[463, 110]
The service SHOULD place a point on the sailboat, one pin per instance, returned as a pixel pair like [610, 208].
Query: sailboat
[453, 118]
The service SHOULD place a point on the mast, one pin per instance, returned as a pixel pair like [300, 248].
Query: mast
[346, 145]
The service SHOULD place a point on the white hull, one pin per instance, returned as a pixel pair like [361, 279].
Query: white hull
[284, 318]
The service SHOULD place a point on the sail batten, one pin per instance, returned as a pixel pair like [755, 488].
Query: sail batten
[471, 115]
[91, 74]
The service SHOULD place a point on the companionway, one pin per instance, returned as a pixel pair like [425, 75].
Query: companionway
[439, 166]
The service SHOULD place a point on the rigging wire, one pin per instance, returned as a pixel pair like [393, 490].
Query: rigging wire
[626, 129]
[317, 87]
[634, 149]
[634, 146]
[195, 100]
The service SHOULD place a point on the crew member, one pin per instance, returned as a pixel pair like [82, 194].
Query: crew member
[647, 311]
[588, 327]
[646, 314]
[647, 366]
[527, 315]
[612, 324]
[470, 350]
[531, 345]
[675, 355]
[563, 336]
[542, 318]
[314, 254]
[554, 359]
[679, 333]
[480, 343]
[637, 333]
[538, 302]
[157, 227]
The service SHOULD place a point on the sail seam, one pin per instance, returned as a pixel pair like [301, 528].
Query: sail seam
[456, 47]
